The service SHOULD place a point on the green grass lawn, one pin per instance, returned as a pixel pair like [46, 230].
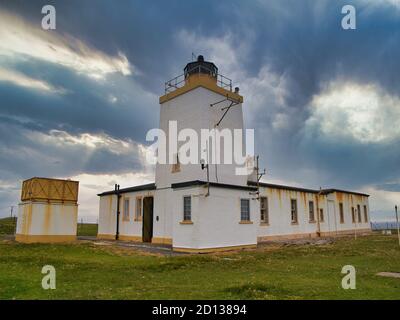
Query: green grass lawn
[8, 225]
[87, 229]
[88, 271]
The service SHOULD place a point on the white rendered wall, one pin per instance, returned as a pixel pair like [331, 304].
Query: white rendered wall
[131, 226]
[350, 200]
[192, 110]
[107, 215]
[216, 219]
[45, 219]
[280, 213]
[163, 200]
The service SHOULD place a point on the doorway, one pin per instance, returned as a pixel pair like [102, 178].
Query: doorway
[147, 231]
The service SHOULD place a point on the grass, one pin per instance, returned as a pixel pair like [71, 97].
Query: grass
[88, 271]
[7, 225]
[87, 229]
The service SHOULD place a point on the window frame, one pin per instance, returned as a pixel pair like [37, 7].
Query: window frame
[295, 211]
[248, 220]
[359, 213]
[126, 213]
[365, 213]
[341, 212]
[321, 215]
[138, 213]
[353, 215]
[311, 219]
[265, 220]
[184, 215]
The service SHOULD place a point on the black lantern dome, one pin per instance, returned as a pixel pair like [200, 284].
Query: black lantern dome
[201, 66]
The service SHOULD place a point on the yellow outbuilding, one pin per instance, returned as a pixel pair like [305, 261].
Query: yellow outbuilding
[48, 211]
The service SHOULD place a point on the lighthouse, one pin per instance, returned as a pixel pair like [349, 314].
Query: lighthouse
[206, 197]
[209, 189]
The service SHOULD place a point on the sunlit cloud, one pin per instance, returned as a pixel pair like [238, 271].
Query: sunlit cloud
[92, 184]
[22, 80]
[363, 112]
[19, 37]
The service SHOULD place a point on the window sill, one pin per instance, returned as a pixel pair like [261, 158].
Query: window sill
[264, 224]
[125, 220]
[294, 223]
[245, 222]
[138, 220]
[186, 222]
[312, 221]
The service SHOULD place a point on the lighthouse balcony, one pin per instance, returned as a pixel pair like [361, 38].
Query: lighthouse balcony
[199, 67]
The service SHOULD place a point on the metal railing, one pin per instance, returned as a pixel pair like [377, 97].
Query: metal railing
[179, 81]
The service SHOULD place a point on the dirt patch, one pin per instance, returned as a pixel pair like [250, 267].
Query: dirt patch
[389, 274]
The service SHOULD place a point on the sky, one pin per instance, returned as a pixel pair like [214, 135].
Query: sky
[76, 102]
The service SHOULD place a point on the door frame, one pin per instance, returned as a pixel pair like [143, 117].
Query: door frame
[147, 219]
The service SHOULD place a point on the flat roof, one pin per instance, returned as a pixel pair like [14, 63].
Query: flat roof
[149, 186]
[212, 184]
[250, 187]
[322, 191]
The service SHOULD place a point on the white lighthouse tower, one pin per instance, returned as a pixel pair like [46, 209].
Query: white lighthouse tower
[201, 101]
[209, 190]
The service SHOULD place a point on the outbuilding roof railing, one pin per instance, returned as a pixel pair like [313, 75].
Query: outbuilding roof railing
[179, 81]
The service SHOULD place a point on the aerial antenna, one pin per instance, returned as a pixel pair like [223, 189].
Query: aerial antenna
[204, 165]
[233, 102]
[193, 56]
[258, 176]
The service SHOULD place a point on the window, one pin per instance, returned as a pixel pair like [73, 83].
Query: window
[244, 209]
[365, 214]
[176, 167]
[264, 210]
[293, 210]
[359, 213]
[353, 216]
[126, 209]
[311, 215]
[341, 212]
[138, 212]
[321, 215]
[187, 208]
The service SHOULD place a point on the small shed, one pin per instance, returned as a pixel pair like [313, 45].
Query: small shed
[48, 211]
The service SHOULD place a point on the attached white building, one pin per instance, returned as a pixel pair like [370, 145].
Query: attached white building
[200, 208]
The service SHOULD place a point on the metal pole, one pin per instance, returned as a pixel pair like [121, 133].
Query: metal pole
[355, 224]
[397, 222]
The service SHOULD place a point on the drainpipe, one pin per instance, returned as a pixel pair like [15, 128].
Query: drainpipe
[118, 212]
[318, 222]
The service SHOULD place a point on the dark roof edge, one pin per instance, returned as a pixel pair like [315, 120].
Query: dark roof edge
[323, 191]
[279, 186]
[326, 191]
[212, 184]
[149, 186]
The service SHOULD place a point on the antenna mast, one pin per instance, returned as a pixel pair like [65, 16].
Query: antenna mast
[259, 176]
